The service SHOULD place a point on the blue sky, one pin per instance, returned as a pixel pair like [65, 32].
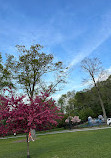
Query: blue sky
[70, 30]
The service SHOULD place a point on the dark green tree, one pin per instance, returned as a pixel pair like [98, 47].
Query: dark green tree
[105, 88]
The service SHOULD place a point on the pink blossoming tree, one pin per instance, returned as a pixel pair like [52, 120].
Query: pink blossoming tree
[17, 116]
[72, 120]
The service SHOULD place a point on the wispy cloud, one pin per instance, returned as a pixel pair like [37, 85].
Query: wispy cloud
[100, 36]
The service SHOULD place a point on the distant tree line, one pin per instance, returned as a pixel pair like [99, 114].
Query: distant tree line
[86, 102]
[89, 102]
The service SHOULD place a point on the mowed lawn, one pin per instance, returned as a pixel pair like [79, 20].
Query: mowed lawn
[87, 144]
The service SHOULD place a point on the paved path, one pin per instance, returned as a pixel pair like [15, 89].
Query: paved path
[63, 131]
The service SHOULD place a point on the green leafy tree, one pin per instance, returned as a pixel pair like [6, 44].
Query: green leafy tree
[5, 75]
[61, 104]
[88, 99]
[105, 88]
[66, 102]
[85, 113]
[33, 67]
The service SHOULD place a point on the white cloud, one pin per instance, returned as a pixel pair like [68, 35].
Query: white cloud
[101, 35]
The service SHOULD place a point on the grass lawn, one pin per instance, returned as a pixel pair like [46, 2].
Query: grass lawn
[87, 144]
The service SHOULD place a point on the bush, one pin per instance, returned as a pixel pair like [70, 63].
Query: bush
[62, 123]
[85, 113]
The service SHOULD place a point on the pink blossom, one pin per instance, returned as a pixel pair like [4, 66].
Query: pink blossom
[67, 120]
[75, 119]
[40, 114]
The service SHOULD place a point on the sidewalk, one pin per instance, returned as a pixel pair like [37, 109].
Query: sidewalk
[63, 131]
[75, 130]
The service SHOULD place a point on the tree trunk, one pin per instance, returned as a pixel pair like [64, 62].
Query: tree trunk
[102, 106]
[28, 155]
[101, 102]
[100, 99]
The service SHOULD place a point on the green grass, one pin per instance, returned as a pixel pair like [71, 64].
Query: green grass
[87, 144]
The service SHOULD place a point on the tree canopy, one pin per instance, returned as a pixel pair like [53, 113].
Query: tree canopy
[31, 67]
[5, 75]
[18, 116]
